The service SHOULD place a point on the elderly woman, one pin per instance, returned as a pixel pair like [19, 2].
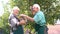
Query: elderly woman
[15, 23]
[38, 18]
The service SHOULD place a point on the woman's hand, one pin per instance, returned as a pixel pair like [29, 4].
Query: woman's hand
[22, 22]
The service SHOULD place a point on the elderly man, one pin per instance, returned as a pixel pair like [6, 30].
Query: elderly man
[38, 18]
[15, 23]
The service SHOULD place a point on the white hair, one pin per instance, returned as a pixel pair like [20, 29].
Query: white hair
[36, 5]
[15, 8]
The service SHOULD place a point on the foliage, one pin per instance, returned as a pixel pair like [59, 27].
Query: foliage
[51, 9]
[4, 27]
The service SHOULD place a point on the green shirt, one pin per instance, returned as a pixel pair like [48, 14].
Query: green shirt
[39, 18]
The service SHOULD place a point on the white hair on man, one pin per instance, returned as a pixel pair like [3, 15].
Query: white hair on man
[36, 5]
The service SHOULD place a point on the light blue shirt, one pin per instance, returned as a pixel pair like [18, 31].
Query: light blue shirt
[39, 18]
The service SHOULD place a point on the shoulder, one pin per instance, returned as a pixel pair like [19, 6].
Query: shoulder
[40, 12]
[11, 16]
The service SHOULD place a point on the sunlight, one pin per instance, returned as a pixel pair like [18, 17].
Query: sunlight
[1, 6]
[1, 9]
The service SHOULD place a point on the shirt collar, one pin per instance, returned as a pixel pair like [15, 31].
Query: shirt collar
[37, 12]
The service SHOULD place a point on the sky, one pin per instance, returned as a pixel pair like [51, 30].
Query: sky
[1, 6]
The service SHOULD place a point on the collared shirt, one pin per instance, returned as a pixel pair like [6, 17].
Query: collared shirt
[13, 20]
[39, 18]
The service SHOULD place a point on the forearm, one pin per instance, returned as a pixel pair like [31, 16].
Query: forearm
[30, 18]
[27, 17]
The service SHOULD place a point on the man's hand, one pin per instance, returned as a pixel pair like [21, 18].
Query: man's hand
[23, 15]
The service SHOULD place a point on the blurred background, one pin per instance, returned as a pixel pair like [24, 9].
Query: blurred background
[51, 8]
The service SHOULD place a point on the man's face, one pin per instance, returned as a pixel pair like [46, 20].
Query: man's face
[16, 12]
[34, 10]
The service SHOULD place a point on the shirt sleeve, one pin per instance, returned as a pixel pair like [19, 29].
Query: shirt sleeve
[37, 18]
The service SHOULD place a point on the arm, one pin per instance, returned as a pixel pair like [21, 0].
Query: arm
[30, 18]
[22, 22]
[27, 17]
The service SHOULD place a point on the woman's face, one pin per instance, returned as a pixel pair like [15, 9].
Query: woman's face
[16, 12]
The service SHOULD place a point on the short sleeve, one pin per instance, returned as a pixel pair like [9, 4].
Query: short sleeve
[37, 18]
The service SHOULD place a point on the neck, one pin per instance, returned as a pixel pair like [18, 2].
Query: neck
[15, 14]
[36, 12]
